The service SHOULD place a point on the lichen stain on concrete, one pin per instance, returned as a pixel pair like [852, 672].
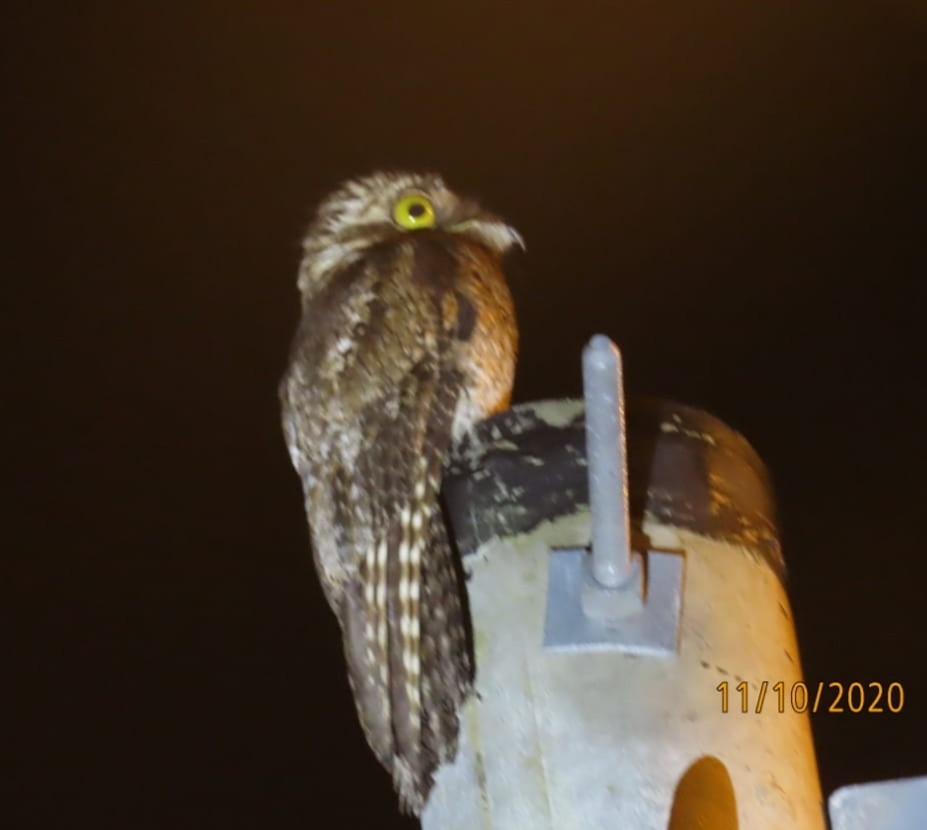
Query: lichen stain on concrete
[558, 413]
[675, 425]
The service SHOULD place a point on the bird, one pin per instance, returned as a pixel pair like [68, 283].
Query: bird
[407, 338]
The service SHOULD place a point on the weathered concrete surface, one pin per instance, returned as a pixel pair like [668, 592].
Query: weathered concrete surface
[599, 739]
[686, 469]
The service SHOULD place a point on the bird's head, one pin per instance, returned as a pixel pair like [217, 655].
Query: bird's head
[374, 209]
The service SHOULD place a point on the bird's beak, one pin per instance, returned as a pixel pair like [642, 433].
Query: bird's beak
[492, 232]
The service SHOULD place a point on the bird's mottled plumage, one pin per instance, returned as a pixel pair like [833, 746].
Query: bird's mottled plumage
[407, 337]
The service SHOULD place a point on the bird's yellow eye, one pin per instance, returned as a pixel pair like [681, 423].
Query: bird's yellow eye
[414, 212]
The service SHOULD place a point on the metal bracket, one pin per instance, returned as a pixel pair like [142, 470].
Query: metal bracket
[611, 597]
[884, 805]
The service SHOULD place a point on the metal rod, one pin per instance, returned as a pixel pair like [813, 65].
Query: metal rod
[603, 389]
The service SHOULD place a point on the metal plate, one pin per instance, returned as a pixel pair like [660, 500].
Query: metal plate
[654, 631]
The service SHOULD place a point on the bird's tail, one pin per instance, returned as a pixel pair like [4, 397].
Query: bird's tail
[404, 631]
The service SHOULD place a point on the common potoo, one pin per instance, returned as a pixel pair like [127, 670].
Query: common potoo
[407, 337]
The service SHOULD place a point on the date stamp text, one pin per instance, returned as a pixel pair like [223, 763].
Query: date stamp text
[802, 697]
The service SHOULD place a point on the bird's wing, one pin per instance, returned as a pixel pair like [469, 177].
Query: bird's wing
[372, 426]
[402, 619]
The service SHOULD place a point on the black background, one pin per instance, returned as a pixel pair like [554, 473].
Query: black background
[733, 191]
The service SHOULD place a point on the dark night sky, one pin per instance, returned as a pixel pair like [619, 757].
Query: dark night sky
[733, 191]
